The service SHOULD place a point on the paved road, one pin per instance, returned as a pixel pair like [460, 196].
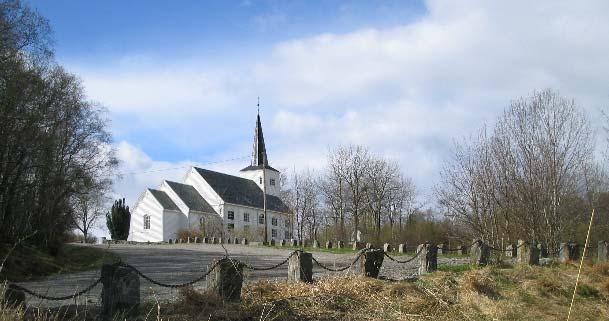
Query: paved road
[180, 263]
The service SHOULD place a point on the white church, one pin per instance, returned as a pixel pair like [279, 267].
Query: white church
[216, 204]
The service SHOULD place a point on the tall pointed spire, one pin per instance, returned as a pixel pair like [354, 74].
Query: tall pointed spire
[259, 151]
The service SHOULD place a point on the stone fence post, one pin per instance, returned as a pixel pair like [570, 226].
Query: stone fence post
[428, 258]
[294, 243]
[226, 279]
[315, 244]
[401, 248]
[462, 250]
[236, 240]
[387, 247]
[440, 249]
[371, 262]
[543, 250]
[369, 245]
[272, 242]
[282, 243]
[329, 244]
[244, 241]
[479, 253]
[568, 252]
[603, 251]
[357, 245]
[205, 240]
[120, 291]
[527, 253]
[300, 267]
[340, 244]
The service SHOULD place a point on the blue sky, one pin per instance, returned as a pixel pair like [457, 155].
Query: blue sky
[406, 78]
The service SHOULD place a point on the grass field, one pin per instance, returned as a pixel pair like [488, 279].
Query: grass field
[28, 263]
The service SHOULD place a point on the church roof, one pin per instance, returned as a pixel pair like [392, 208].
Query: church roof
[164, 199]
[189, 195]
[241, 191]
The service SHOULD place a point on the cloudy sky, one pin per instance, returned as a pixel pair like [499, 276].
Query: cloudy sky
[406, 78]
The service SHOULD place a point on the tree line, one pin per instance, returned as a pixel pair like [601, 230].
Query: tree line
[56, 156]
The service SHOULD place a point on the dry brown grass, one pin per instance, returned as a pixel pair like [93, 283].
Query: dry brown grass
[490, 293]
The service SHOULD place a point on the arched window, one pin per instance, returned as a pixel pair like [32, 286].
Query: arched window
[146, 222]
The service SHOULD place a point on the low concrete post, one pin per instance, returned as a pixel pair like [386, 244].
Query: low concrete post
[527, 253]
[328, 244]
[543, 250]
[226, 279]
[13, 297]
[244, 241]
[428, 258]
[197, 239]
[120, 291]
[369, 245]
[462, 250]
[340, 244]
[511, 250]
[188, 240]
[387, 247]
[272, 242]
[401, 248]
[300, 267]
[282, 243]
[229, 240]
[206, 240]
[180, 241]
[170, 241]
[371, 262]
[236, 240]
[294, 243]
[214, 240]
[220, 240]
[479, 253]
[603, 251]
[568, 252]
[315, 244]
[440, 249]
[357, 246]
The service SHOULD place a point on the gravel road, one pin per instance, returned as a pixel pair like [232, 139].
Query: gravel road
[180, 263]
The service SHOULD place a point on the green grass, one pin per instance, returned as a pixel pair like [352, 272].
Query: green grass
[29, 263]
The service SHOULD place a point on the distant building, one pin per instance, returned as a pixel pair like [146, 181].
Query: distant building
[216, 204]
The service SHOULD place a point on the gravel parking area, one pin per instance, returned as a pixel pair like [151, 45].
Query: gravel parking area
[180, 263]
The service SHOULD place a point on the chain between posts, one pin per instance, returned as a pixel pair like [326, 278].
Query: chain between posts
[55, 298]
[253, 268]
[325, 267]
[169, 285]
[406, 261]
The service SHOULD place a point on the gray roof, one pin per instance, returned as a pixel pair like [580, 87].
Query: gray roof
[241, 191]
[164, 199]
[189, 195]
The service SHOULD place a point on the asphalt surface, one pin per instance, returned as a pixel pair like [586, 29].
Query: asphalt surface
[180, 263]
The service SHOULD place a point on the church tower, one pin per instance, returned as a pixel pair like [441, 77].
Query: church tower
[259, 168]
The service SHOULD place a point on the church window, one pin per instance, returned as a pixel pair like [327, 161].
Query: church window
[146, 222]
[231, 215]
[287, 223]
[274, 221]
[273, 233]
[272, 182]
[230, 227]
[260, 180]
[246, 217]
[287, 235]
[261, 219]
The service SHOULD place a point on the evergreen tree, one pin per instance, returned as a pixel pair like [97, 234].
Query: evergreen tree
[118, 220]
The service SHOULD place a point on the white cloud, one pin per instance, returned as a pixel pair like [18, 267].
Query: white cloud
[406, 91]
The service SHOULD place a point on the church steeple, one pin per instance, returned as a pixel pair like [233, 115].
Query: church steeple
[259, 158]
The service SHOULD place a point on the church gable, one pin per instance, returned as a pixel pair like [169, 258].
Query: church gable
[191, 197]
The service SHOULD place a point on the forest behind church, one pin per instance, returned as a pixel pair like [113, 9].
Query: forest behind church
[534, 175]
